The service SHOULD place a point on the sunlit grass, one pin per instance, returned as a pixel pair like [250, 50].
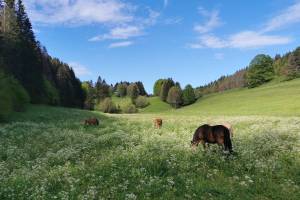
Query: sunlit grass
[47, 153]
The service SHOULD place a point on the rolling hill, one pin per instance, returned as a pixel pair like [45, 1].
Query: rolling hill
[275, 98]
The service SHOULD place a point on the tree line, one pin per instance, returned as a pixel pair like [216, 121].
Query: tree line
[98, 95]
[25, 63]
[172, 93]
[260, 70]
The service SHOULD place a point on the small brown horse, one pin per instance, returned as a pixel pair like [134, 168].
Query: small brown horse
[218, 134]
[157, 122]
[91, 121]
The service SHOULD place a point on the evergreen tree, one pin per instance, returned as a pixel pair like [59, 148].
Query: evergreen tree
[167, 84]
[102, 89]
[175, 97]
[142, 90]
[188, 95]
[260, 71]
[293, 67]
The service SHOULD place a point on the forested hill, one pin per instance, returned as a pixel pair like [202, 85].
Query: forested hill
[261, 69]
[26, 69]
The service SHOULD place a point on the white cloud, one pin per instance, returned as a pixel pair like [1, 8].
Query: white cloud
[126, 31]
[241, 40]
[251, 39]
[80, 70]
[120, 44]
[213, 21]
[77, 12]
[247, 38]
[289, 16]
[119, 33]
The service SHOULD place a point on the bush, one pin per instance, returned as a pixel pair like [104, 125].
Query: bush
[108, 106]
[129, 108]
[142, 102]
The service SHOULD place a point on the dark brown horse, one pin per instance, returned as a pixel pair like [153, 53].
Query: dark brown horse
[207, 134]
[91, 121]
[158, 122]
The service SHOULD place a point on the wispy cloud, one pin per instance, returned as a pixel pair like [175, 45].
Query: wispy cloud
[78, 12]
[119, 33]
[246, 38]
[80, 70]
[241, 40]
[129, 30]
[173, 21]
[289, 16]
[213, 21]
[120, 44]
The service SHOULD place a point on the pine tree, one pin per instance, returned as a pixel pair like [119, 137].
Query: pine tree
[293, 68]
[142, 90]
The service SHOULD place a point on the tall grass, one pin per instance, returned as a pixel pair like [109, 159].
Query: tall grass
[47, 153]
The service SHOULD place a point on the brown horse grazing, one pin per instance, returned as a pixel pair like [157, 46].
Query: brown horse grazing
[157, 123]
[218, 134]
[91, 121]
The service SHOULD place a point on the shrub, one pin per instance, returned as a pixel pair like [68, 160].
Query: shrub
[129, 108]
[188, 95]
[108, 106]
[175, 97]
[142, 102]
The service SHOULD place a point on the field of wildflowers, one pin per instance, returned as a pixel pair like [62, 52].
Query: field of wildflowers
[47, 153]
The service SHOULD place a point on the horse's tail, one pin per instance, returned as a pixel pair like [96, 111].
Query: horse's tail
[227, 140]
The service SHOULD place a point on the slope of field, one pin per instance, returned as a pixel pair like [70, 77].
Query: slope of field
[47, 153]
[271, 99]
[156, 106]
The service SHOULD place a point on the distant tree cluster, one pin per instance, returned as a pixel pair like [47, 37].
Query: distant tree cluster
[171, 92]
[45, 79]
[98, 95]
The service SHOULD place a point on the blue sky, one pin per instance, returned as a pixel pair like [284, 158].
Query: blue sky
[192, 41]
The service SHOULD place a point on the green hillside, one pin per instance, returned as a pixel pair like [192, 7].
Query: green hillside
[270, 99]
[156, 106]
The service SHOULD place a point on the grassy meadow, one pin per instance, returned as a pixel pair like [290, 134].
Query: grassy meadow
[47, 153]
